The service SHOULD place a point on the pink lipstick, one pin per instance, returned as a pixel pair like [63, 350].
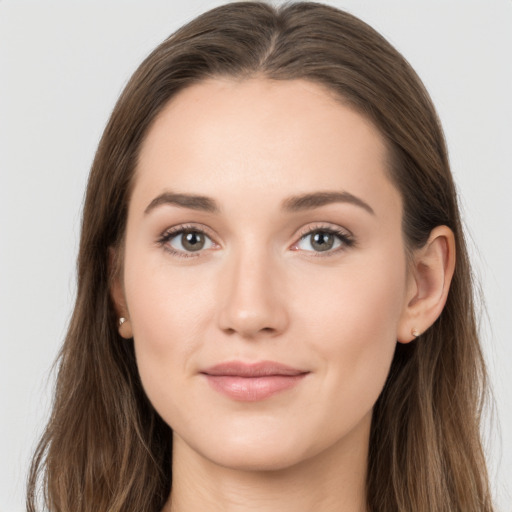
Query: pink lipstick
[252, 382]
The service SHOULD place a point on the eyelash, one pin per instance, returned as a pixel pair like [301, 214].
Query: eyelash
[171, 233]
[346, 239]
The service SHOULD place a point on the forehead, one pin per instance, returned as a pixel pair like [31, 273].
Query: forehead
[271, 138]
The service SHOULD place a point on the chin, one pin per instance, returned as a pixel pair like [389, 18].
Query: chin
[257, 459]
[250, 453]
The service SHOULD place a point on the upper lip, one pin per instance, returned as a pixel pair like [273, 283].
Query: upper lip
[259, 369]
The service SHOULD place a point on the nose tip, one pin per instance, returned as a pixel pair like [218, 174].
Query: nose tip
[248, 323]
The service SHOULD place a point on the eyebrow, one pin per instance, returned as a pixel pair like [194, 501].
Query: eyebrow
[297, 203]
[193, 202]
[317, 199]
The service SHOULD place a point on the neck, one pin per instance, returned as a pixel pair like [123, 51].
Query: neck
[333, 480]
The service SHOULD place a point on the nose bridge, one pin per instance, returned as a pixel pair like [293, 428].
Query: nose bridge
[252, 300]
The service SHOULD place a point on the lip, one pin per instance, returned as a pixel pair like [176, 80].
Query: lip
[251, 382]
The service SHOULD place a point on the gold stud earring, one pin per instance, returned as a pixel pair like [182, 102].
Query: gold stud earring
[415, 332]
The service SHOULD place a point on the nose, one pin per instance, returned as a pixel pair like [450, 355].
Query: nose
[252, 299]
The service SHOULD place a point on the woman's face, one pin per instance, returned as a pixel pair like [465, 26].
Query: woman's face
[264, 274]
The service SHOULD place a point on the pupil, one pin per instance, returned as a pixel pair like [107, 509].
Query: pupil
[193, 241]
[322, 241]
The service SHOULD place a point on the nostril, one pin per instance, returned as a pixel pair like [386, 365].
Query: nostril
[269, 330]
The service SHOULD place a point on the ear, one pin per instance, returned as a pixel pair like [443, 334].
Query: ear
[429, 282]
[117, 294]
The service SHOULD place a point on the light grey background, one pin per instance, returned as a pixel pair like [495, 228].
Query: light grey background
[62, 66]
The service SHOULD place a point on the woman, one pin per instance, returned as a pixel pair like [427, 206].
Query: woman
[269, 211]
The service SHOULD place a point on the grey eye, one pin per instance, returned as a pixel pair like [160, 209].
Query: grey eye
[319, 241]
[190, 241]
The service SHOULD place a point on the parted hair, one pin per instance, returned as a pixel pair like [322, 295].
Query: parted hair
[105, 448]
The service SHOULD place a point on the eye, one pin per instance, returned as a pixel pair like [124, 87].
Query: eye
[323, 240]
[185, 241]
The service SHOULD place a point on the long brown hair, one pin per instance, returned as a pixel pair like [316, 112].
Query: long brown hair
[105, 448]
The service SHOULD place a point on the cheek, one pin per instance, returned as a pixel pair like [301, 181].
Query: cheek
[351, 323]
[364, 300]
[169, 311]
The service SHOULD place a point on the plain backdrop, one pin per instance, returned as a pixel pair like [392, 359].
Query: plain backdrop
[62, 66]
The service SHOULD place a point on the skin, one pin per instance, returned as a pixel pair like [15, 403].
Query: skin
[259, 290]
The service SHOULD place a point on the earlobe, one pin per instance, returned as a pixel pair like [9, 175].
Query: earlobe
[431, 274]
[118, 297]
[125, 328]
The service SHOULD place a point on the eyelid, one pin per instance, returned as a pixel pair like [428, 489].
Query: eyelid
[324, 226]
[188, 226]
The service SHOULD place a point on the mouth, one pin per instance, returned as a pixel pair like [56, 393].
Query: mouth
[252, 382]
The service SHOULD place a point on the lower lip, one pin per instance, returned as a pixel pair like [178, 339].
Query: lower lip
[253, 389]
